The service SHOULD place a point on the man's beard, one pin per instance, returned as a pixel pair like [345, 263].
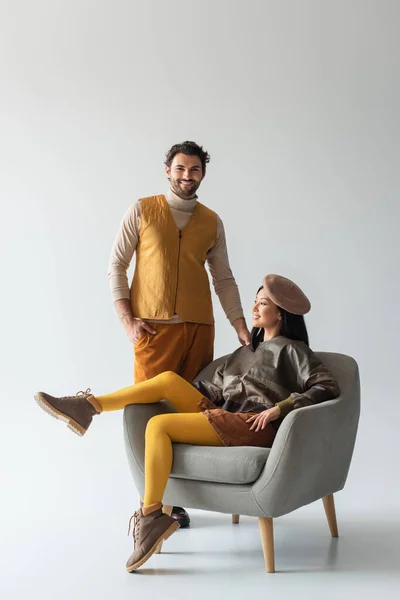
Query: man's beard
[185, 191]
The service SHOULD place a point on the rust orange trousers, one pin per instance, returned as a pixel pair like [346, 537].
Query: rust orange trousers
[184, 348]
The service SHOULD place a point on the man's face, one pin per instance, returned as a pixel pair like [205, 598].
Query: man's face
[185, 175]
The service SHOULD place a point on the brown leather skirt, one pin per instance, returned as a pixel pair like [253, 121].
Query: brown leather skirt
[232, 428]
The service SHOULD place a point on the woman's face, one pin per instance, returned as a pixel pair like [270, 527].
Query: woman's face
[266, 314]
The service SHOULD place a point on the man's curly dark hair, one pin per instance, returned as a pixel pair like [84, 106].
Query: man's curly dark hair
[190, 149]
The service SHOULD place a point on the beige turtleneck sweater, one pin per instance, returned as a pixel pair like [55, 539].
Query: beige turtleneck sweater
[127, 238]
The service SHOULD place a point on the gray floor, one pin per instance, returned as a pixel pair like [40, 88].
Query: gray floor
[83, 555]
[66, 502]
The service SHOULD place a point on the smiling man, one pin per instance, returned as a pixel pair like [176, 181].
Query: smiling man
[167, 311]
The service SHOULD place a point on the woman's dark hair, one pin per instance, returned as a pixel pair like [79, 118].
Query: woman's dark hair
[190, 149]
[293, 327]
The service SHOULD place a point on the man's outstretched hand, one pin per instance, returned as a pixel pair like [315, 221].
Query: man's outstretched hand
[242, 331]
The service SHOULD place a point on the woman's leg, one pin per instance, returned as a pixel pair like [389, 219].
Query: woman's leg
[168, 385]
[151, 525]
[161, 432]
[78, 411]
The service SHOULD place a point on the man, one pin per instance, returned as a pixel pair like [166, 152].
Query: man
[167, 312]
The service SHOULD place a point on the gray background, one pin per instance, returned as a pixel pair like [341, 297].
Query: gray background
[298, 104]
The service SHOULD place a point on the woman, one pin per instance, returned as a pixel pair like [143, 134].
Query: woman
[244, 404]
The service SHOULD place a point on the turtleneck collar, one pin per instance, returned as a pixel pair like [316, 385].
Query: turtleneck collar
[175, 201]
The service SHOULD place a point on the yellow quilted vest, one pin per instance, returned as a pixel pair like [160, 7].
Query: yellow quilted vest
[170, 277]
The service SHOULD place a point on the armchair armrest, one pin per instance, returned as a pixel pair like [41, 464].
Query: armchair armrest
[310, 457]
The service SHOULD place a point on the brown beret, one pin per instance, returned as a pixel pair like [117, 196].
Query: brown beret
[286, 294]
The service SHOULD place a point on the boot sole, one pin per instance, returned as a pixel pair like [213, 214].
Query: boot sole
[53, 412]
[171, 529]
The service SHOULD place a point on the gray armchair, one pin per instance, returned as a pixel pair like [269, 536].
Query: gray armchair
[309, 460]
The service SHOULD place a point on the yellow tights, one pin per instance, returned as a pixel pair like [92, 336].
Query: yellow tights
[188, 426]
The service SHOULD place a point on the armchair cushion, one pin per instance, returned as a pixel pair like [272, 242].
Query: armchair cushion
[236, 465]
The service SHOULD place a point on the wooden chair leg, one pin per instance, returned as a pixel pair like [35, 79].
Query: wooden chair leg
[168, 511]
[235, 519]
[267, 538]
[329, 506]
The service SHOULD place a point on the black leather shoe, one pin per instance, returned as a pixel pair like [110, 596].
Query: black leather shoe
[180, 515]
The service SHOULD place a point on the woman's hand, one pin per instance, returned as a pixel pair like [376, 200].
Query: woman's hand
[261, 420]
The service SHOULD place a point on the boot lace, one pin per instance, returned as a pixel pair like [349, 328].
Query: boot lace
[80, 394]
[136, 526]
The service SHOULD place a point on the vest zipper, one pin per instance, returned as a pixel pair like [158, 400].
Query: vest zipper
[177, 270]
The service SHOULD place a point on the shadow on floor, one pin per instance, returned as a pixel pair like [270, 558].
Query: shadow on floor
[365, 544]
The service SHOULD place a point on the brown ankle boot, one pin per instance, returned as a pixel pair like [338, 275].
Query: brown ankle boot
[77, 411]
[148, 531]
